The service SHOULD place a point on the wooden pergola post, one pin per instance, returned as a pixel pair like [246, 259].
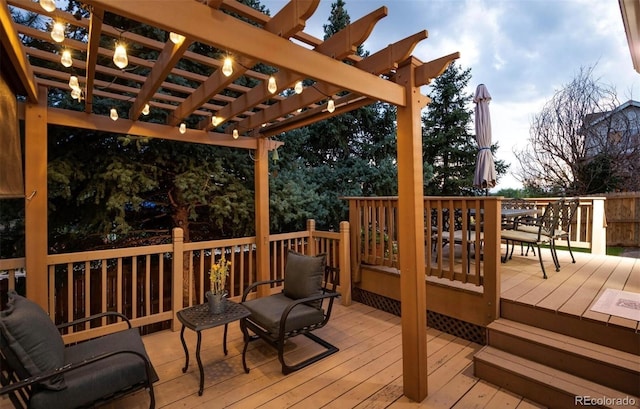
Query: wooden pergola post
[262, 213]
[35, 182]
[411, 236]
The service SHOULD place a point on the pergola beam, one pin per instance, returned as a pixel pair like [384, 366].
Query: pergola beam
[291, 19]
[343, 43]
[83, 120]
[11, 44]
[381, 62]
[223, 31]
[93, 45]
[167, 59]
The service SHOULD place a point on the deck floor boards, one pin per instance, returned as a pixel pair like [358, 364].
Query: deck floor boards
[367, 371]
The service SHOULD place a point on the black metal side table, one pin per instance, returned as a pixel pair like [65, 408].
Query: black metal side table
[198, 318]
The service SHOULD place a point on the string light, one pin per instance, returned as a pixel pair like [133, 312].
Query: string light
[298, 87]
[57, 32]
[114, 114]
[182, 128]
[120, 58]
[272, 87]
[331, 106]
[48, 5]
[145, 110]
[235, 134]
[66, 59]
[73, 83]
[176, 38]
[227, 67]
[215, 120]
[76, 94]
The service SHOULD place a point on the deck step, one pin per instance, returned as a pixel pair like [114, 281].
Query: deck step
[618, 337]
[597, 363]
[545, 385]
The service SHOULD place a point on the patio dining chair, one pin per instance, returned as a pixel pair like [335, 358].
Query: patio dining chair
[566, 217]
[303, 306]
[38, 371]
[544, 233]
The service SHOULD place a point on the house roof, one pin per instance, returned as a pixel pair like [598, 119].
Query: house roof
[594, 118]
[213, 105]
[630, 10]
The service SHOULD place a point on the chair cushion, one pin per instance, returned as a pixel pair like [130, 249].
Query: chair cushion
[33, 338]
[267, 312]
[303, 275]
[103, 378]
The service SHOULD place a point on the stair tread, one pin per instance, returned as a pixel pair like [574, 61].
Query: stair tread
[546, 375]
[572, 345]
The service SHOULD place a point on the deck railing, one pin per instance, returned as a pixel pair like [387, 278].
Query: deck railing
[149, 284]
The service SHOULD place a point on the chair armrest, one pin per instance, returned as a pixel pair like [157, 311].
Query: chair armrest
[93, 317]
[257, 284]
[70, 367]
[294, 303]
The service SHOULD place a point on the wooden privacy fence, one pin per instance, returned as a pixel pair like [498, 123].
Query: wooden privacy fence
[150, 284]
[623, 219]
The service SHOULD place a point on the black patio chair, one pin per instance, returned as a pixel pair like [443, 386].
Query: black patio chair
[38, 371]
[566, 217]
[303, 306]
[544, 233]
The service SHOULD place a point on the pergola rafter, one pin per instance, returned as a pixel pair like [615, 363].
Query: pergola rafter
[390, 75]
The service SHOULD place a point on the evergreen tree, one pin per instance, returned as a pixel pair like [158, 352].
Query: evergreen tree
[449, 147]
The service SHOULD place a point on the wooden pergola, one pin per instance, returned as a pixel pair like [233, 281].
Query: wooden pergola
[226, 113]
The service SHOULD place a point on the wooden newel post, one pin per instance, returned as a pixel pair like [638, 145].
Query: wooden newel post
[177, 302]
[311, 244]
[345, 263]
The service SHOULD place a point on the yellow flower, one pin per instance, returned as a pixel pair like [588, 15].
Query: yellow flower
[218, 275]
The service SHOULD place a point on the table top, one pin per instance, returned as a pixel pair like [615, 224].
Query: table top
[199, 317]
[509, 213]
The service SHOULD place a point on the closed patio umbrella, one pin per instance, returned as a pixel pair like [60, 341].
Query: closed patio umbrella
[485, 176]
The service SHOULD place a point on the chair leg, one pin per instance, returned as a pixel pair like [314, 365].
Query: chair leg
[554, 254]
[573, 260]
[544, 273]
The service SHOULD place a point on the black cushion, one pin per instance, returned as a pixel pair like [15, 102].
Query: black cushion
[100, 379]
[33, 338]
[303, 275]
[267, 312]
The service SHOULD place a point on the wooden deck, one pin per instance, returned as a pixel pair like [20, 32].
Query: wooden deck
[367, 372]
[575, 288]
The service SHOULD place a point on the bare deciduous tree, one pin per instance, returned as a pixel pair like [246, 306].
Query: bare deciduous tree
[571, 149]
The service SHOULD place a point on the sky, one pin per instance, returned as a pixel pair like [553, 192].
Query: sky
[522, 50]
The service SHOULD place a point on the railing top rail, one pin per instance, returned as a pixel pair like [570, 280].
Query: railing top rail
[108, 254]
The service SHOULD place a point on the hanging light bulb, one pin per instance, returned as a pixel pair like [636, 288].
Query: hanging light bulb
[73, 83]
[76, 94]
[176, 38]
[298, 87]
[235, 134]
[145, 110]
[120, 58]
[215, 121]
[272, 87]
[331, 106]
[182, 128]
[114, 114]
[57, 32]
[66, 58]
[227, 67]
[48, 5]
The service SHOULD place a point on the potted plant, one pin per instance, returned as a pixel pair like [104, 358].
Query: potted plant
[218, 278]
